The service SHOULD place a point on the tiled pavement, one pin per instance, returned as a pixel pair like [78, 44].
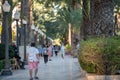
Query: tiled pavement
[57, 69]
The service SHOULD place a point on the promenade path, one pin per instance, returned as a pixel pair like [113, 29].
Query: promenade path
[57, 69]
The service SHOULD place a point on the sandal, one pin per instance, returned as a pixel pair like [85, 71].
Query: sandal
[31, 78]
[36, 77]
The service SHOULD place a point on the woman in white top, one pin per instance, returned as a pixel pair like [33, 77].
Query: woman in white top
[62, 51]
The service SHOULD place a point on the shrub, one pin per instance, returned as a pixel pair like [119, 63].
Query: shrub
[68, 47]
[2, 51]
[2, 62]
[100, 55]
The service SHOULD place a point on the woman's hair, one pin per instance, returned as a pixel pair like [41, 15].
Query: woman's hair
[33, 44]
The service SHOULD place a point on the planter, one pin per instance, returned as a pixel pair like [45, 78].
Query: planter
[102, 77]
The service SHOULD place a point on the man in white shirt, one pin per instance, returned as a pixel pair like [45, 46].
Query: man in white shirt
[33, 60]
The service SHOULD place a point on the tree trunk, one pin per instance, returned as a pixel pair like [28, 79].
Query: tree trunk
[26, 13]
[69, 34]
[75, 6]
[92, 2]
[85, 29]
[76, 34]
[102, 17]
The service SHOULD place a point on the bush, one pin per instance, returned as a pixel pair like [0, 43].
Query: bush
[100, 55]
[67, 47]
[2, 51]
[2, 62]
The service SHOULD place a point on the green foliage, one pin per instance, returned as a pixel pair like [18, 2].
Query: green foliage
[0, 29]
[1, 64]
[117, 2]
[69, 16]
[67, 46]
[2, 51]
[89, 67]
[46, 19]
[100, 55]
[55, 15]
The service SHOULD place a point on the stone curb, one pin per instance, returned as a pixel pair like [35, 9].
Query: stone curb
[102, 77]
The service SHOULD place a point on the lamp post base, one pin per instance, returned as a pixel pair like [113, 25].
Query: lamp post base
[6, 72]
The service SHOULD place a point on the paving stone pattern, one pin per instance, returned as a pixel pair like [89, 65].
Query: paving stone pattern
[57, 69]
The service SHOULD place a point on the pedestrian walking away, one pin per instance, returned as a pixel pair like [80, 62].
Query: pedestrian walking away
[62, 51]
[40, 50]
[45, 53]
[33, 60]
[50, 52]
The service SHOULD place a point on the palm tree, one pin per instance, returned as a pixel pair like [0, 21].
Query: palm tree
[84, 30]
[102, 19]
[27, 14]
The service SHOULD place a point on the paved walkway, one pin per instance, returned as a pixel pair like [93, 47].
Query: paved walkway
[57, 69]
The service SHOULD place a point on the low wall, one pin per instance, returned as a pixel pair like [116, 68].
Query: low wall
[102, 77]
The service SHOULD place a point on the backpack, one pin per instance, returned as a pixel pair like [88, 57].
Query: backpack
[45, 51]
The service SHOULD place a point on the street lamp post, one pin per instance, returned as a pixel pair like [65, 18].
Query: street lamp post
[24, 24]
[6, 71]
[33, 28]
[16, 17]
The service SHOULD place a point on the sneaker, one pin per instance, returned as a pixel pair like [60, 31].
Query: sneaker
[36, 77]
[31, 78]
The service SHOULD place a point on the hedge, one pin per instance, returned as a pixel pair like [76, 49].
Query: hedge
[100, 55]
[2, 55]
[2, 62]
[2, 51]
